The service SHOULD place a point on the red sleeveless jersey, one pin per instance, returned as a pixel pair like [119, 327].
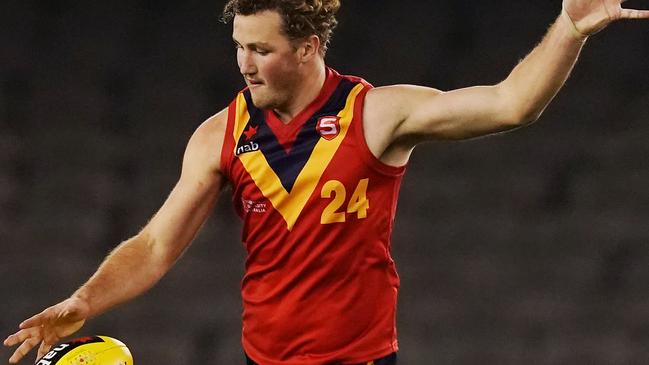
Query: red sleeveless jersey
[320, 286]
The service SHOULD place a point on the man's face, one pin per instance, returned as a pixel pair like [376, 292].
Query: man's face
[267, 59]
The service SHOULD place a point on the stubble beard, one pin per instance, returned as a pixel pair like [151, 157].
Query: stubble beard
[278, 96]
[269, 99]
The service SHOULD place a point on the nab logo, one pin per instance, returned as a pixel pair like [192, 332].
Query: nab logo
[245, 148]
[249, 146]
[328, 127]
[250, 132]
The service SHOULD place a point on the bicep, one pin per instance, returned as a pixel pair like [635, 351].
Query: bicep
[185, 210]
[191, 200]
[426, 113]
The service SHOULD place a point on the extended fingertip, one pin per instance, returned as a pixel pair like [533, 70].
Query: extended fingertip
[7, 341]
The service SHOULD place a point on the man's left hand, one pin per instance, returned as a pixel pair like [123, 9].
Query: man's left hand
[591, 16]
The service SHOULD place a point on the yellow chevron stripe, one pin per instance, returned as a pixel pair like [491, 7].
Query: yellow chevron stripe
[241, 119]
[290, 205]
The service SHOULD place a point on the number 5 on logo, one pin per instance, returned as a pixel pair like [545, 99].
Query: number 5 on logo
[358, 203]
[328, 127]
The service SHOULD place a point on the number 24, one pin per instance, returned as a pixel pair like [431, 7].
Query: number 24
[357, 204]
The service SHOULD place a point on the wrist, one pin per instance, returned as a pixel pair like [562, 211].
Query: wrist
[83, 297]
[572, 28]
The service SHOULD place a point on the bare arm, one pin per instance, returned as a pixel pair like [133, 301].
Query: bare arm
[404, 115]
[153, 251]
[138, 263]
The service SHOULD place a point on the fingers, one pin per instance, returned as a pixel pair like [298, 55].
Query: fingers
[29, 338]
[11, 340]
[22, 350]
[43, 349]
[43, 327]
[21, 336]
[36, 320]
[634, 14]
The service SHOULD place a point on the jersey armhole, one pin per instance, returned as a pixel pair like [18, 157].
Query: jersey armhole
[227, 147]
[365, 152]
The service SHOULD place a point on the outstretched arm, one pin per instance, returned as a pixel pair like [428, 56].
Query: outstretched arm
[403, 115]
[138, 263]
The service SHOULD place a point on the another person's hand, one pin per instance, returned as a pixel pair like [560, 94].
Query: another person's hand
[48, 327]
[591, 16]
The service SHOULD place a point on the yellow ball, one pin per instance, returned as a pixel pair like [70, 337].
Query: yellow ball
[93, 350]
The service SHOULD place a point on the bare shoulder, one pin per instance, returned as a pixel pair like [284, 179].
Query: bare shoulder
[213, 128]
[400, 92]
[204, 147]
[392, 104]
[384, 111]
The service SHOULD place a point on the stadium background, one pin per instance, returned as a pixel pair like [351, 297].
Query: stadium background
[528, 247]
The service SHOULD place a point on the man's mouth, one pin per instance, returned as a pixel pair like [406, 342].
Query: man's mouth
[254, 82]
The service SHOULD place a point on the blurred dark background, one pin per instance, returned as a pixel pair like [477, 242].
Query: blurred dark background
[523, 248]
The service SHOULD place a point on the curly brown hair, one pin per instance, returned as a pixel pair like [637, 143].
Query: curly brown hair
[302, 18]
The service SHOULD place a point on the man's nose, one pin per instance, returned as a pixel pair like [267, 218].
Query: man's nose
[246, 63]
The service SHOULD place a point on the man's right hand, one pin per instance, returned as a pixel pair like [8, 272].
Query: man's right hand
[48, 327]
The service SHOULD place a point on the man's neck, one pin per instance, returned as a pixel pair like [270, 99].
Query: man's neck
[313, 80]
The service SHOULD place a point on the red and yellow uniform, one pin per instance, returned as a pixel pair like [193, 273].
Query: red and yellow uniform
[320, 285]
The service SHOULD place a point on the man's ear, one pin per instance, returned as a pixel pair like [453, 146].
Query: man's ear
[309, 48]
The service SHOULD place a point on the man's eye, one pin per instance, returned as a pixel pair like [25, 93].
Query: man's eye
[262, 52]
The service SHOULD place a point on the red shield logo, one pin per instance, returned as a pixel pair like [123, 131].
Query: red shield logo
[328, 127]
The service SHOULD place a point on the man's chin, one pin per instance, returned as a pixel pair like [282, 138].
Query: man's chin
[261, 102]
